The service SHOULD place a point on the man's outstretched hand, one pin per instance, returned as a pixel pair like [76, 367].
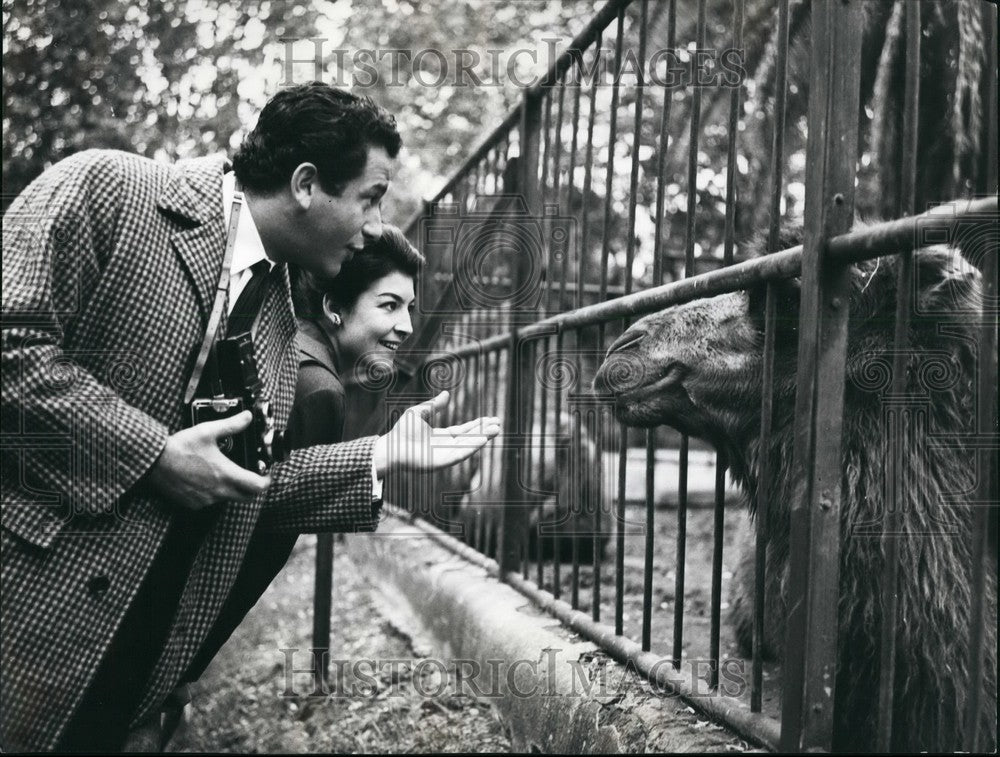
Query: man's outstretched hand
[414, 444]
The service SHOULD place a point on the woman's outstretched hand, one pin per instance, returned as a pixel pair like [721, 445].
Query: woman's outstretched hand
[414, 444]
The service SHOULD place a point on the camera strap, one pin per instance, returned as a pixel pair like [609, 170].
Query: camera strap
[220, 297]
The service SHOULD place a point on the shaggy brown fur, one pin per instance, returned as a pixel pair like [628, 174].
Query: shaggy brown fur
[697, 367]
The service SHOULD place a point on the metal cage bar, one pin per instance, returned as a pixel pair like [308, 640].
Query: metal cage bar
[831, 152]
[767, 389]
[892, 524]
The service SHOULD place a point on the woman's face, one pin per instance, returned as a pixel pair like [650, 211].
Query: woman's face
[379, 321]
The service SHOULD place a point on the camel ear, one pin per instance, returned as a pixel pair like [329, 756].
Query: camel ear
[946, 283]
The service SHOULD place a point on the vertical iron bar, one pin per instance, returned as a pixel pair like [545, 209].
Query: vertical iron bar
[605, 251]
[514, 519]
[720, 460]
[661, 173]
[620, 557]
[511, 531]
[636, 142]
[598, 496]
[682, 506]
[767, 391]
[584, 248]
[588, 175]
[575, 448]
[542, 468]
[525, 554]
[831, 152]
[668, 97]
[532, 452]
[476, 410]
[493, 389]
[558, 431]
[649, 542]
[571, 192]
[550, 288]
[692, 191]
[734, 119]
[576, 503]
[762, 504]
[486, 470]
[647, 585]
[716, 601]
[893, 526]
[322, 606]
[546, 154]
[693, 141]
[609, 178]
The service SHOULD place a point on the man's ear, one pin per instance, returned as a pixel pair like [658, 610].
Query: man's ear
[303, 184]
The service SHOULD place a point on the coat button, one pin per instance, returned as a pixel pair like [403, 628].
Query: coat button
[98, 585]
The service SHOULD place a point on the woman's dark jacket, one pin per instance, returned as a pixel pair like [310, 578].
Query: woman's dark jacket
[317, 417]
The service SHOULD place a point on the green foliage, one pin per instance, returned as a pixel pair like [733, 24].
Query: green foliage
[178, 78]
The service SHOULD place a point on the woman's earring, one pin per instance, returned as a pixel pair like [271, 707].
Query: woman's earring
[335, 319]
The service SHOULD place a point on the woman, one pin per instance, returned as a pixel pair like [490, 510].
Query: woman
[361, 316]
[363, 313]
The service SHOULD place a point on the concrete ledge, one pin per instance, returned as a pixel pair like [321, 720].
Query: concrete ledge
[556, 692]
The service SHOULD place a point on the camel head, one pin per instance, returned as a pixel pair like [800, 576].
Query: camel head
[698, 366]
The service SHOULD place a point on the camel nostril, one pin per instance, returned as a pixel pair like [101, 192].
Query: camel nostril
[626, 340]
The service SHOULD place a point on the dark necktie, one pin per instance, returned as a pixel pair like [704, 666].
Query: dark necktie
[251, 298]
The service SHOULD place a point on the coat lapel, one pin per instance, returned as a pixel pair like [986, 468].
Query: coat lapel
[275, 343]
[193, 197]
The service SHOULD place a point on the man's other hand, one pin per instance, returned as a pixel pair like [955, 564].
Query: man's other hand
[414, 444]
[192, 472]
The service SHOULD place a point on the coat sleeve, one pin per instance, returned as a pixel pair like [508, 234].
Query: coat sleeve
[69, 439]
[324, 486]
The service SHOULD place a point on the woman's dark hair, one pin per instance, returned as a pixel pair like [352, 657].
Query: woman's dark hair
[313, 123]
[391, 253]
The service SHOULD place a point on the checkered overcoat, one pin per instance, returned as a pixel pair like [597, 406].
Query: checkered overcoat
[110, 263]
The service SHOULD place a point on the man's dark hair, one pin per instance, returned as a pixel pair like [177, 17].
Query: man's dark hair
[391, 253]
[313, 123]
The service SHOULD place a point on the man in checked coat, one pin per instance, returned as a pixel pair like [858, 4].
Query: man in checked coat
[122, 530]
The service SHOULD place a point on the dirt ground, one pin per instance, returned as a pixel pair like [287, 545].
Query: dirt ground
[239, 705]
[697, 590]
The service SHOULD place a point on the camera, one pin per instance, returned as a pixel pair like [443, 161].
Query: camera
[483, 246]
[237, 387]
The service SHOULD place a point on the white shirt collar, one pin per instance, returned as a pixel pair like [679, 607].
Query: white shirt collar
[249, 248]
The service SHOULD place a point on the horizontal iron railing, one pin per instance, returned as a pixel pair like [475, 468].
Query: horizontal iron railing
[878, 240]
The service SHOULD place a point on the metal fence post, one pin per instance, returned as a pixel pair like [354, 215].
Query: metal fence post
[832, 150]
[518, 401]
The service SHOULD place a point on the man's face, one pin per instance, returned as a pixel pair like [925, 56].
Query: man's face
[336, 226]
